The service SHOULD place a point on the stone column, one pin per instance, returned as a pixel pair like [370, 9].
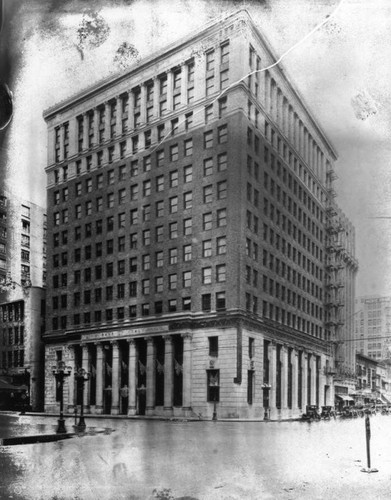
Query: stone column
[187, 359]
[86, 365]
[115, 379]
[132, 377]
[71, 379]
[151, 368]
[295, 378]
[304, 376]
[284, 377]
[313, 379]
[273, 379]
[99, 378]
[168, 375]
[169, 90]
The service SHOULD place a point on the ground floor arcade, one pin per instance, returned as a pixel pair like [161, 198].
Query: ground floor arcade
[236, 372]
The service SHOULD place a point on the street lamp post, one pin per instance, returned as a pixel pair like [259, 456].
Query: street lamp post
[60, 372]
[82, 376]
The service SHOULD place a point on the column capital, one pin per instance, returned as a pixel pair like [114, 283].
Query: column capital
[131, 341]
[187, 335]
[114, 343]
[167, 338]
[149, 340]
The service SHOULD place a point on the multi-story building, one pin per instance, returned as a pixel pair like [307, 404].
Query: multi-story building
[22, 300]
[187, 203]
[372, 327]
[341, 267]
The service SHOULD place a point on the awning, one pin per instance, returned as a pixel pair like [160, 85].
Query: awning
[344, 397]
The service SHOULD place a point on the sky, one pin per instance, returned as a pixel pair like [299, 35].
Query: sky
[342, 68]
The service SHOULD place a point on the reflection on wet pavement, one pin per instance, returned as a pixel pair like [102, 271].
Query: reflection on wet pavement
[204, 460]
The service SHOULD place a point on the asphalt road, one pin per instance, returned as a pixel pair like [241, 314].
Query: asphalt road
[144, 459]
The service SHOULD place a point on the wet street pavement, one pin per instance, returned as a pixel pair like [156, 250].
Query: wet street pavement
[147, 459]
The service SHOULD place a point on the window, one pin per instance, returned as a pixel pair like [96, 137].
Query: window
[159, 259]
[121, 220]
[210, 60]
[187, 200]
[146, 259]
[159, 284]
[220, 273]
[160, 158]
[208, 193]
[110, 200]
[99, 181]
[109, 292]
[221, 245]
[172, 305]
[134, 216]
[208, 113]
[221, 190]
[207, 221]
[174, 178]
[222, 107]
[134, 168]
[133, 289]
[224, 78]
[208, 139]
[188, 149]
[186, 279]
[147, 188]
[146, 213]
[133, 311]
[174, 152]
[186, 304]
[110, 177]
[160, 183]
[133, 241]
[121, 196]
[222, 162]
[172, 281]
[159, 233]
[145, 287]
[188, 117]
[251, 345]
[207, 248]
[173, 256]
[220, 301]
[206, 275]
[187, 174]
[206, 302]
[213, 346]
[222, 217]
[186, 253]
[110, 223]
[213, 381]
[158, 307]
[159, 208]
[208, 166]
[173, 204]
[209, 85]
[109, 246]
[173, 230]
[222, 134]
[77, 211]
[187, 227]
[224, 53]
[121, 267]
[176, 101]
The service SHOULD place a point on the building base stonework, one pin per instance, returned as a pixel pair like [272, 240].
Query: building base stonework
[192, 373]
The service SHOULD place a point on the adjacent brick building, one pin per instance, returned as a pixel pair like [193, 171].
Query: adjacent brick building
[187, 202]
[22, 297]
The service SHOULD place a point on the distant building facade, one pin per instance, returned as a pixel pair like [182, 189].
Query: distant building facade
[188, 221]
[22, 299]
[372, 327]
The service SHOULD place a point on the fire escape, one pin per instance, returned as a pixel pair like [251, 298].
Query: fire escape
[334, 295]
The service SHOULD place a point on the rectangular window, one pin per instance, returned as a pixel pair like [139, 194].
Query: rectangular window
[206, 302]
[222, 134]
[188, 149]
[186, 279]
[222, 107]
[213, 381]
[208, 113]
[187, 253]
[224, 79]
[173, 230]
[222, 190]
[207, 248]
[172, 281]
[221, 245]
[174, 178]
[220, 273]
[208, 194]
[173, 204]
[174, 152]
[220, 301]
[206, 275]
[208, 139]
[207, 221]
[208, 167]
[187, 200]
[222, 217]
[187, 227]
